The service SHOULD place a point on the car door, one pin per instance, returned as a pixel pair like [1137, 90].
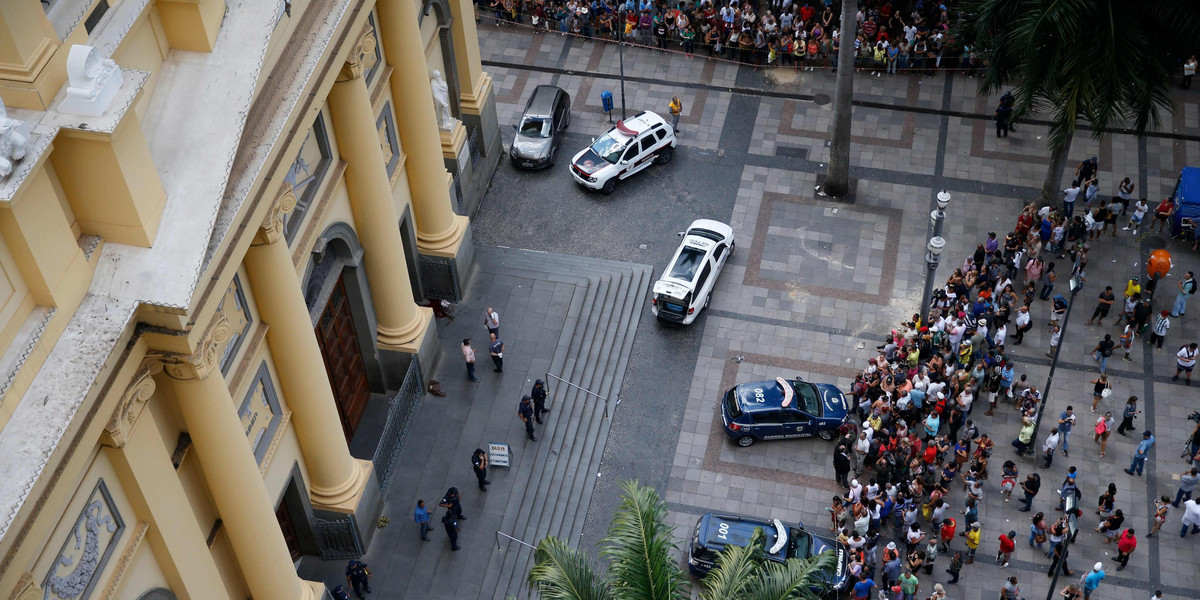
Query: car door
[704, 284]
[719, 255]
[565, 101]
[645, 155]
[797, 424]
[557, 125]
[629, 160]
[768, 425]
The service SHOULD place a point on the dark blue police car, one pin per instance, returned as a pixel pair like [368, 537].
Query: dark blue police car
[714, 532]
[780, 409]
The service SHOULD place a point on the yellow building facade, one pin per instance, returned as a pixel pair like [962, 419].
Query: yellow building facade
[222, 221]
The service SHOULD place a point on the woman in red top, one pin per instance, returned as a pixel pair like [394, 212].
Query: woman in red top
[1125, 546]
[1162, 211]
[1024, 222]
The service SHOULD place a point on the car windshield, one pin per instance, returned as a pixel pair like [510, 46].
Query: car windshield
[809, 398]
[799, 543]
[536, 127]
[609, 148]
[687, 264]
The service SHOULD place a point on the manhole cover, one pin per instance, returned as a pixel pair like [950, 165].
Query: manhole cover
[822, 99]
[1156, 243]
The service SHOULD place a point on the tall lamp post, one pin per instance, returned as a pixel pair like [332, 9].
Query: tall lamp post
[933, 256]
[1076, 284]
[938, 215]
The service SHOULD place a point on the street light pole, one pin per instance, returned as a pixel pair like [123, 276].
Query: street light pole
[939, 215]
[936, 218]
[933, 256]
[621, 58]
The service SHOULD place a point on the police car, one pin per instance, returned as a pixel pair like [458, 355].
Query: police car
[780, 409]
[714, 532]
[629, 147]
[687, 283]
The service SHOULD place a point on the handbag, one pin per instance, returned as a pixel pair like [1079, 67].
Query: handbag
[1040, 537]
[1101, 427]
[1106, 392]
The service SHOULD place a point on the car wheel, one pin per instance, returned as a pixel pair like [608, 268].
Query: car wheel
[609, 186]
[553, 156]
[664, 156]
[732, 247]
[745, 441]
[706, 300]
[826, 434]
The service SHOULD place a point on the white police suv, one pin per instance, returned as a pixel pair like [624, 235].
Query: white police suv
[629, 147]
[687, 283]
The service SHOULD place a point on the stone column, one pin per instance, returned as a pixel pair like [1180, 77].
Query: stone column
[401, 322]
[439, 230]
[474, 83]
[232, 474]
[334, 476]
[143, 464]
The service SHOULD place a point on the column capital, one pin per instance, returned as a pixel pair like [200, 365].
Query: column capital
[271, 230]
[129, 408]
[362, 56]
[204, 360]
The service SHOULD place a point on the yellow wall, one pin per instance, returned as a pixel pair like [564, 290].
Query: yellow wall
[143, 49]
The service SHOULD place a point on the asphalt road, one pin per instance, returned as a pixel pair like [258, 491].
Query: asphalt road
[546, 210]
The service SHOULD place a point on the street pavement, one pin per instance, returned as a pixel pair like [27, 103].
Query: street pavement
[813, 288]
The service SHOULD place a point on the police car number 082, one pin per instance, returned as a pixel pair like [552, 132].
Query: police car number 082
[758, 396]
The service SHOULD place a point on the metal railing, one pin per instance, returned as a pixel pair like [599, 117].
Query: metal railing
[550, 376]
[500, 534]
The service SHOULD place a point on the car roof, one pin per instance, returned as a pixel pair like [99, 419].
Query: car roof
[737, 532]
[640, 123]
[541, 102]
[771, 393]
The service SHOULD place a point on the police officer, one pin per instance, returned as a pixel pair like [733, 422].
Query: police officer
[453, 503]
[539, 400]
[525, 412]
[479, 462]
[358, 576]
[339, 593]
[451, 525]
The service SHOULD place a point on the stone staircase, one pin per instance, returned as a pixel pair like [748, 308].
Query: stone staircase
[553, 487]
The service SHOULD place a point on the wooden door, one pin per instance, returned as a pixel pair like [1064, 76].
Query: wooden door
[289, 530]
[343, 359]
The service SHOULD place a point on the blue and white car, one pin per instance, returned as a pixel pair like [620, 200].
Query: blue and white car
[783, 409]
[714, 532]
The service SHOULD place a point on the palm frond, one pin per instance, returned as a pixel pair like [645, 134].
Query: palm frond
[735, 567]
[562, 573]
[641, 549]
[796, 579]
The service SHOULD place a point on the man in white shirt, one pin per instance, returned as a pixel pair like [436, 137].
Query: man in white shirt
[1069, 196]
[1049, 446]
[1024, 323]
[491, 320]
[1139, 212]
[1185, 360]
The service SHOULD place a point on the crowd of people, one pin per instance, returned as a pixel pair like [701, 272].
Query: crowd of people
[891, 37]
[924, 402]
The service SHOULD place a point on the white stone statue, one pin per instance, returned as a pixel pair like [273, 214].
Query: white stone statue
[12, 141]
[441, 101]
[93, 82]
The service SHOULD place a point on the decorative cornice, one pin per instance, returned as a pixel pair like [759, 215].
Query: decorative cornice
[271, 230]
[362, 57]
[129, 409]
[206, 359]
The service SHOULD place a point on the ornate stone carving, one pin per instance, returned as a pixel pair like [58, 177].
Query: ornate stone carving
[93, 82]
[13, 135]
[87, 547]
[136, 395]
[362, 58]
[206, 359]
[441, 101]
[272, 226]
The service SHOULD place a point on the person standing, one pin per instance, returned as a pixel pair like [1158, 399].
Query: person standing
[538, 393]
[1104, 427]
[909, 584]
[479, 464]
[1048, 448]
[1066, 422]
[1189, 71]
[1024, 322]
[1058, 558]
[972, 534]
[1071, 592]
[358, 577]
[497, 351]
[1099, 386]
[1125, 546]
[1128, 414]
[1008, 544]
[1187, 484]
[1102, 306]
[956, 565]
[469, 357]
[451, 525]
[1010, 590]
[421, 517]
[1030, 487]
[862, 587]
[1055, 338]
[1003, 115]
[1185, 360]
[676, 110]
[1162, 323]
[452, 502]
[525, 412]
[1187, 287]
[1092, 580]
[1141, 453]
[1191, 517]
[1139, 212]
[841, 465]
[491, 320]
[1069, 196]
[339, 593]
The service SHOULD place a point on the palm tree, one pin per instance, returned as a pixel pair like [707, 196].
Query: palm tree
[643, 564]
[837, 176]
[1106, 62]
